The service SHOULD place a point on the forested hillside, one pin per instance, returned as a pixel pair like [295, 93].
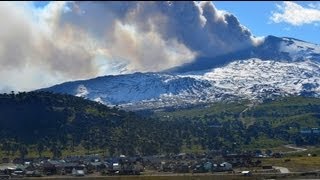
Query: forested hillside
[257, 125]
[41, 121]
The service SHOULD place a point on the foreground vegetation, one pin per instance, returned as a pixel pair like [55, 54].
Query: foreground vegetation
[46, 124]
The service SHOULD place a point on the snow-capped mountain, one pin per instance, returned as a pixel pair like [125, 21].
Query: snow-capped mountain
[278, 67]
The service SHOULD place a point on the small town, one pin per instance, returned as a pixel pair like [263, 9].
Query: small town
[95, 165]
[91, 165]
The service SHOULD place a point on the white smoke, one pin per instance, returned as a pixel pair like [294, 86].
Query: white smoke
[76, 40]
[31, 48]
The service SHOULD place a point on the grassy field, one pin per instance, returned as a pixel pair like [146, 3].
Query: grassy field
[295, 164]
[311, 150]
[297, 161]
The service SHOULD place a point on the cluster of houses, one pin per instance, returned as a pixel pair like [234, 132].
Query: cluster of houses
[98, 165]
[195, 167]
[310, 131]
[73, 165]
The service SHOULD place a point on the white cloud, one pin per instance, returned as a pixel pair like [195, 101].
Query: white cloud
[295, 14]
[65, 41]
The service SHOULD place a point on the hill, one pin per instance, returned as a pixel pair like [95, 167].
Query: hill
[57, 122]
[259, 125]
[38, 122]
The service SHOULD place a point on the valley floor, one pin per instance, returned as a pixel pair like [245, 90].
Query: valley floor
[205, 176]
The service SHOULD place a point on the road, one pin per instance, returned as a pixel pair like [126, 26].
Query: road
[296, 149]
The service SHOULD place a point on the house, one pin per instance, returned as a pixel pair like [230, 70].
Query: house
[305, 131]
[8, 168]
[199, 168]
[50, 167]
[246, 173]
[226, 166]
[128, 166]
[116, 166]
[20, 170]
[238, 159]
[30, 167]
[17, 173]
[310, 131]
[76, 172]
[34, 173]
[113, 168]
[163, 166]
[208, 166]
[315, 131]
[167, 166]
[96, 166]
[66, 168]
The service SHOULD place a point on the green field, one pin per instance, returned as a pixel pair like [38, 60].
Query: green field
[297, 161]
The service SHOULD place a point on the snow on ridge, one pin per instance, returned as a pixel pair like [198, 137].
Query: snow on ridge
[246, 75]
[245, 79]
[299, 50]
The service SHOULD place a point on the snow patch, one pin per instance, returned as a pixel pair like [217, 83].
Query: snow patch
[81, 91]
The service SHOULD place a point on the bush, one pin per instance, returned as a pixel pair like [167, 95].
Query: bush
[287, 160]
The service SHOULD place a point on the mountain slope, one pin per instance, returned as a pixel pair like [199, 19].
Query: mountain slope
[252, 79]
[281, 67]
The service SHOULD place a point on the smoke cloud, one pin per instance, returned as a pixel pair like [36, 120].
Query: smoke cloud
[76, 40]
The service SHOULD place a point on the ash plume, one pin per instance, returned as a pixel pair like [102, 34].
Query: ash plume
[76, 40]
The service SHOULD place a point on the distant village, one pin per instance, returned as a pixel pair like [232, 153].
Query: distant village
[96, 165]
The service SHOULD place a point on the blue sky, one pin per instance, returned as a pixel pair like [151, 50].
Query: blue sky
[40, 3]
[256, 16]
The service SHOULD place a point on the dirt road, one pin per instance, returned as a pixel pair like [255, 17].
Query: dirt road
[296, 149]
